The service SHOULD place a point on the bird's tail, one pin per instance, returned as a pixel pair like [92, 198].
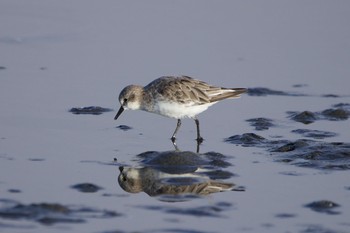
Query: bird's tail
[227, 93]
[238, 91]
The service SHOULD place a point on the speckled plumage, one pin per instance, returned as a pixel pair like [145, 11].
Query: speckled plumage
[176, 97]
[186, 90]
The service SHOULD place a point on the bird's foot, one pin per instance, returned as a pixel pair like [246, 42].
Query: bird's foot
[199, 140]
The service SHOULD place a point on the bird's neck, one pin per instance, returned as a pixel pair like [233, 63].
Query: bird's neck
[147, 101]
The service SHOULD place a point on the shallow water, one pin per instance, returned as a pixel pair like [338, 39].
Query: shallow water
[59, 170]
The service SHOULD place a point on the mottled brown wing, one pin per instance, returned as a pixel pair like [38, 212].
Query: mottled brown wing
[211, 93]
[193, 90]
[187, 90]
[179, 89]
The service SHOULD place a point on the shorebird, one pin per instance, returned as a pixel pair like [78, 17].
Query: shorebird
[175, 97]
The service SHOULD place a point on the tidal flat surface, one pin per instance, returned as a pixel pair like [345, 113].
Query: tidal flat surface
[275, 160]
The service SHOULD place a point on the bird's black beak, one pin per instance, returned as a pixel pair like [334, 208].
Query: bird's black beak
[121, 109]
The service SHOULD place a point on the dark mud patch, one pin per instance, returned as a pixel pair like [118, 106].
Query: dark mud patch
[303, 152]
[300, 85]
[36, 159]
[318, 229]
[93, 110]
[335, 114]
[184, 161]
[175, 176]
[323, 206]
[285, 215]
[305, 117]
[339, 112]
[315, 154]
[216, 210]
[164, 230]
[50, 213]
[124, 127]
[263, 91]
[261, 123]
[316, 134]
[173, 230]
[291, 173]
[342, 105]
[330, 96]
[86, 187]
[14, 191]
[248, 140]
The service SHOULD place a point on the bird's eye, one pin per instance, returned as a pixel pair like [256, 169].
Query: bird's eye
[125, 100]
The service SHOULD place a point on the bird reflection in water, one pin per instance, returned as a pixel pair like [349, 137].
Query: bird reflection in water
[177, 175]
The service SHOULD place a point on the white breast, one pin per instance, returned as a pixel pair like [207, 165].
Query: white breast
[178, 111]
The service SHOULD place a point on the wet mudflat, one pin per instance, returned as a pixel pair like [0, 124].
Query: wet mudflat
[278, 173]
[275, 160]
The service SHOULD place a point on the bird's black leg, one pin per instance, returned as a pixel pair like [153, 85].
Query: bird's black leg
[175, 146]
[199, 138]
[173, 138]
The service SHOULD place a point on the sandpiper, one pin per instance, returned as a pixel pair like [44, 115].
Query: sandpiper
[175, 97]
